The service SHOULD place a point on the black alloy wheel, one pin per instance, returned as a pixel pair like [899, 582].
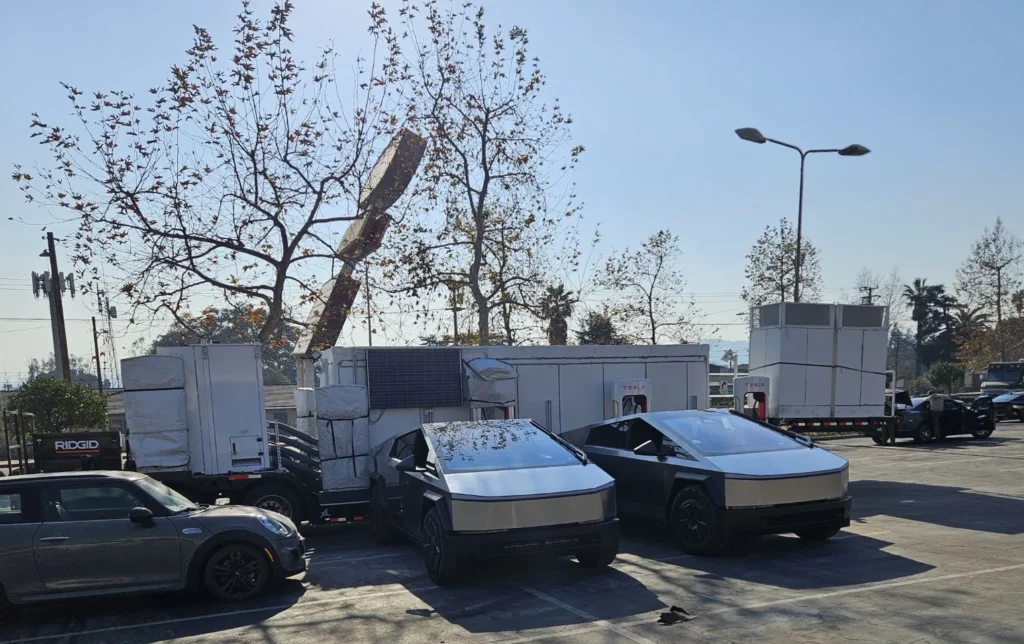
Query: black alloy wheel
[696, 523]
[441, 564]
[237, 572]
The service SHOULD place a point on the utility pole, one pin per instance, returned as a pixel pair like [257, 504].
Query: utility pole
[454, 308]
[870, 297]
[369, 312]
[51, 284]
[96, 348]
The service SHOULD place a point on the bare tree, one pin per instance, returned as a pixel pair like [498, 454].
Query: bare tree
[990, 276]
[231, 180]
[647, 290]
[489, 181]
[886, 290]
[771, 263]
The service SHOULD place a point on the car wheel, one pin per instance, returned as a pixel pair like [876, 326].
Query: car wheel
[237, 572]
[442, 565]
[818, 532]
[879, 440]
[276, 498]
[381, 528]
[984, 433]
[924, 434]
[696, 523]
[599, 557]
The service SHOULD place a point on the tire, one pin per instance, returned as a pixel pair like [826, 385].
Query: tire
[879, 440]
[924, 434]
[442, 565]
[383, 533]
[237, 572]
[984, 433]
[818, 532]
[276, 498]
[599, 558]
[696, 523]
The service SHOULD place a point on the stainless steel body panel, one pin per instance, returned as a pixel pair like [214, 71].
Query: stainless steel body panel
[527, 482]
[800, 461]
[485, 516]
[763, 492]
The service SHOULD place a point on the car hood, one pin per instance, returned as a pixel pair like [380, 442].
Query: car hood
[782, 463]
[219, 517]
[534, 481]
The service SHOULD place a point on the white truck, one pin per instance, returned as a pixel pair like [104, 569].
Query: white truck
[195, 416]
[817, 367]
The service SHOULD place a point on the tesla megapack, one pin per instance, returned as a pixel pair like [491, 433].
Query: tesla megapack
[714, 475]
[477, 489]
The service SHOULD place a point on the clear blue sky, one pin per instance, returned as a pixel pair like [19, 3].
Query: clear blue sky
[933, 87]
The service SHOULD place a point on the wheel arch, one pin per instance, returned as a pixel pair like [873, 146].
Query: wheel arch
[433, 499]
[194, 572]
[693, 479]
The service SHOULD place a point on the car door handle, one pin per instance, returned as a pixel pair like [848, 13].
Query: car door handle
[54, 538]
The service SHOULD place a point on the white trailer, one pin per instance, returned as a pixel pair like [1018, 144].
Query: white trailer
[817, 366]
[196, 421]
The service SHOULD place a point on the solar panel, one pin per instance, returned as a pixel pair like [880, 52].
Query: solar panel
[421, 377]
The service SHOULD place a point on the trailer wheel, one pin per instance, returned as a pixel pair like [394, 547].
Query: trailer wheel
[696, 523]
[276, 498]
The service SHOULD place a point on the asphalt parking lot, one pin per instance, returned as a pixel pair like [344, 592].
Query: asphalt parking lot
[935, 554]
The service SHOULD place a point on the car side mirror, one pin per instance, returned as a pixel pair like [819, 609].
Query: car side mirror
[141, 516]
[407, 464]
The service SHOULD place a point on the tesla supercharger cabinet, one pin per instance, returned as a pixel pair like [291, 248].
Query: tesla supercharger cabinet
[750, 394]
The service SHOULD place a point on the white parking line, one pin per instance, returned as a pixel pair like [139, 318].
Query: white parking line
[848, 535]
[606, 625]
[778, 602]
[390, 555]
[232, 613]
[1013, 469]
[930, 463]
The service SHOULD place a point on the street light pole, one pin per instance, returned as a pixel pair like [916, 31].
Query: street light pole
[754, 136]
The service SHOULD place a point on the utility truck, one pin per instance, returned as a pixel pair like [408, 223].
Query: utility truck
[195, 416]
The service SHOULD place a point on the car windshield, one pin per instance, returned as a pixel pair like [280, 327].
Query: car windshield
[721, 434]
[1004, 373]
[165, 496]
[496, 445]
[919, 403]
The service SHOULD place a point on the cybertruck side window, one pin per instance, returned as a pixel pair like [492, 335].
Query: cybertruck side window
[611, 435]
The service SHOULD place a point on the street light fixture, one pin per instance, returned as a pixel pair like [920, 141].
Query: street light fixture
[754, 135]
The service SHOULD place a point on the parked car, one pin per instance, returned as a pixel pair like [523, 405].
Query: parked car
[977, 419]
[492, 488]
[1009, 406]
[713, 475]
[75, 534]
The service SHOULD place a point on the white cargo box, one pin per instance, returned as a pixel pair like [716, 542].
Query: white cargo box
[824, 360]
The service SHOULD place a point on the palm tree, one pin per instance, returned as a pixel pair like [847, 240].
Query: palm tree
[967, 321]
[929, 306]
[556, 307]
[729, 356]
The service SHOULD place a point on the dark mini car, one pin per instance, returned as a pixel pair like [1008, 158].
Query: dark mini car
[713, 475]
[977, 419]
[492, 488]
[77, 534]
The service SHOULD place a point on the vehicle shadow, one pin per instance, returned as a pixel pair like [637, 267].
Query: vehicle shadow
[959, 442]
[953, 507]
[497, 596]
[785, 561]
[143, 618]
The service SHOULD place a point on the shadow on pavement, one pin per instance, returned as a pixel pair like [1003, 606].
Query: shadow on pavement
[140, 618]
[953, 507]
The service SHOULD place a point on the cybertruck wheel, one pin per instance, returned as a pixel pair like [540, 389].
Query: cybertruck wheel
[600, 557]
[441, 563]
[818, 532]
[696, 522]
